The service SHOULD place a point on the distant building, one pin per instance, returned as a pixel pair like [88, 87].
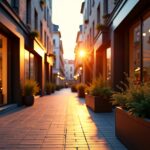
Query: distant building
[69, 70]
[58, 69]
[25, 46]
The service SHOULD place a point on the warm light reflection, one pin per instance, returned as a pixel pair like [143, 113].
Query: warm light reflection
[82, 53]
[144, 34]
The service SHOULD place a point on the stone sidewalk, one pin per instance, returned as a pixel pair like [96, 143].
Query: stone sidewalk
[58, 122]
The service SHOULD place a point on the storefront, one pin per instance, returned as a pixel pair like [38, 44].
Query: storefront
[130, 42]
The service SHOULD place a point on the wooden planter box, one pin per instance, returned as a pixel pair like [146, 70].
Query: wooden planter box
[133, 132]
[98, 103]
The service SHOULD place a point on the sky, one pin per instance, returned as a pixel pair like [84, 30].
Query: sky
[66, 14]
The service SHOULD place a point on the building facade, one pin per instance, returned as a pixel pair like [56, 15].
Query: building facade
[117, 32]
[79, 60]
[25, 46]
[58, 69]
[69, 70]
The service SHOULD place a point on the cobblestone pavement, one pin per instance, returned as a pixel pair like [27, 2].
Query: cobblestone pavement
[58, 122]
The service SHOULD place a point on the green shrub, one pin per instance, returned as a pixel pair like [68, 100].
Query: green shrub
[134, 97]
[74, 88]
[31, 88]
[99, 87]
[81, 90]
[81, 86]
[48, 87]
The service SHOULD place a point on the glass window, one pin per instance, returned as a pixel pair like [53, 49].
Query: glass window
[140, 49]
[32, 67]
[71, 68]
[135, 51]
[41, 31]
[35, 20]
[98, 14]
[26, 64]
[29, 66]
[146, 48]
[108, 55]
[15, 5]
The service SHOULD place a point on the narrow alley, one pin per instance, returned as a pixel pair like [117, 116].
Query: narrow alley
[60, 121]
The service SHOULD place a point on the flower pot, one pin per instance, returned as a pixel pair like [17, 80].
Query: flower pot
[81, 93]
[28, 100]
[98, 103]
[132, 131]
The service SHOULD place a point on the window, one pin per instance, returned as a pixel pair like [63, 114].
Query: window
[98, 14]
[29, 65]
[35, 20]
[41, 31]
[45, 13]
[15, 5]
[47, 43]
[54, 42]
[71, 68]
[140, 49]
[108, 56]
[28, 17]
[146, 48]
[45, 39]
[48, 17]
[32, 67]
[26, 64]
[93, 29]
[93, 2]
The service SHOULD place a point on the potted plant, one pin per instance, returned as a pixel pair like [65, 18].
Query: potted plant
[86, 21]
[98, 97]
[53, 88]
[105, 17]
[81, 90]
[132, 118]
[30, 89]
[34, 34]
[48, 87]
[100, 27]
[42, 3]
[73, 88]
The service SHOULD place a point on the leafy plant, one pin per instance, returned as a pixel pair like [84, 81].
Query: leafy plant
[43, 3]
[74, 88]
[134, 97]
[34, 34]
[31, 88]
[100, 27]
[81, 86]
[81, 89]
[99, 87]
[48, 87]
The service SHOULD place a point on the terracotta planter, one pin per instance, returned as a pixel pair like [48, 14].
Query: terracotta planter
[98, 103]
[28, 100]
[133, 132]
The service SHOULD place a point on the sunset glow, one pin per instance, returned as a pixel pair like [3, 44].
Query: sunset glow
[67, 16]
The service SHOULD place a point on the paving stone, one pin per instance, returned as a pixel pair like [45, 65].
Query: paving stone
[60, 121]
